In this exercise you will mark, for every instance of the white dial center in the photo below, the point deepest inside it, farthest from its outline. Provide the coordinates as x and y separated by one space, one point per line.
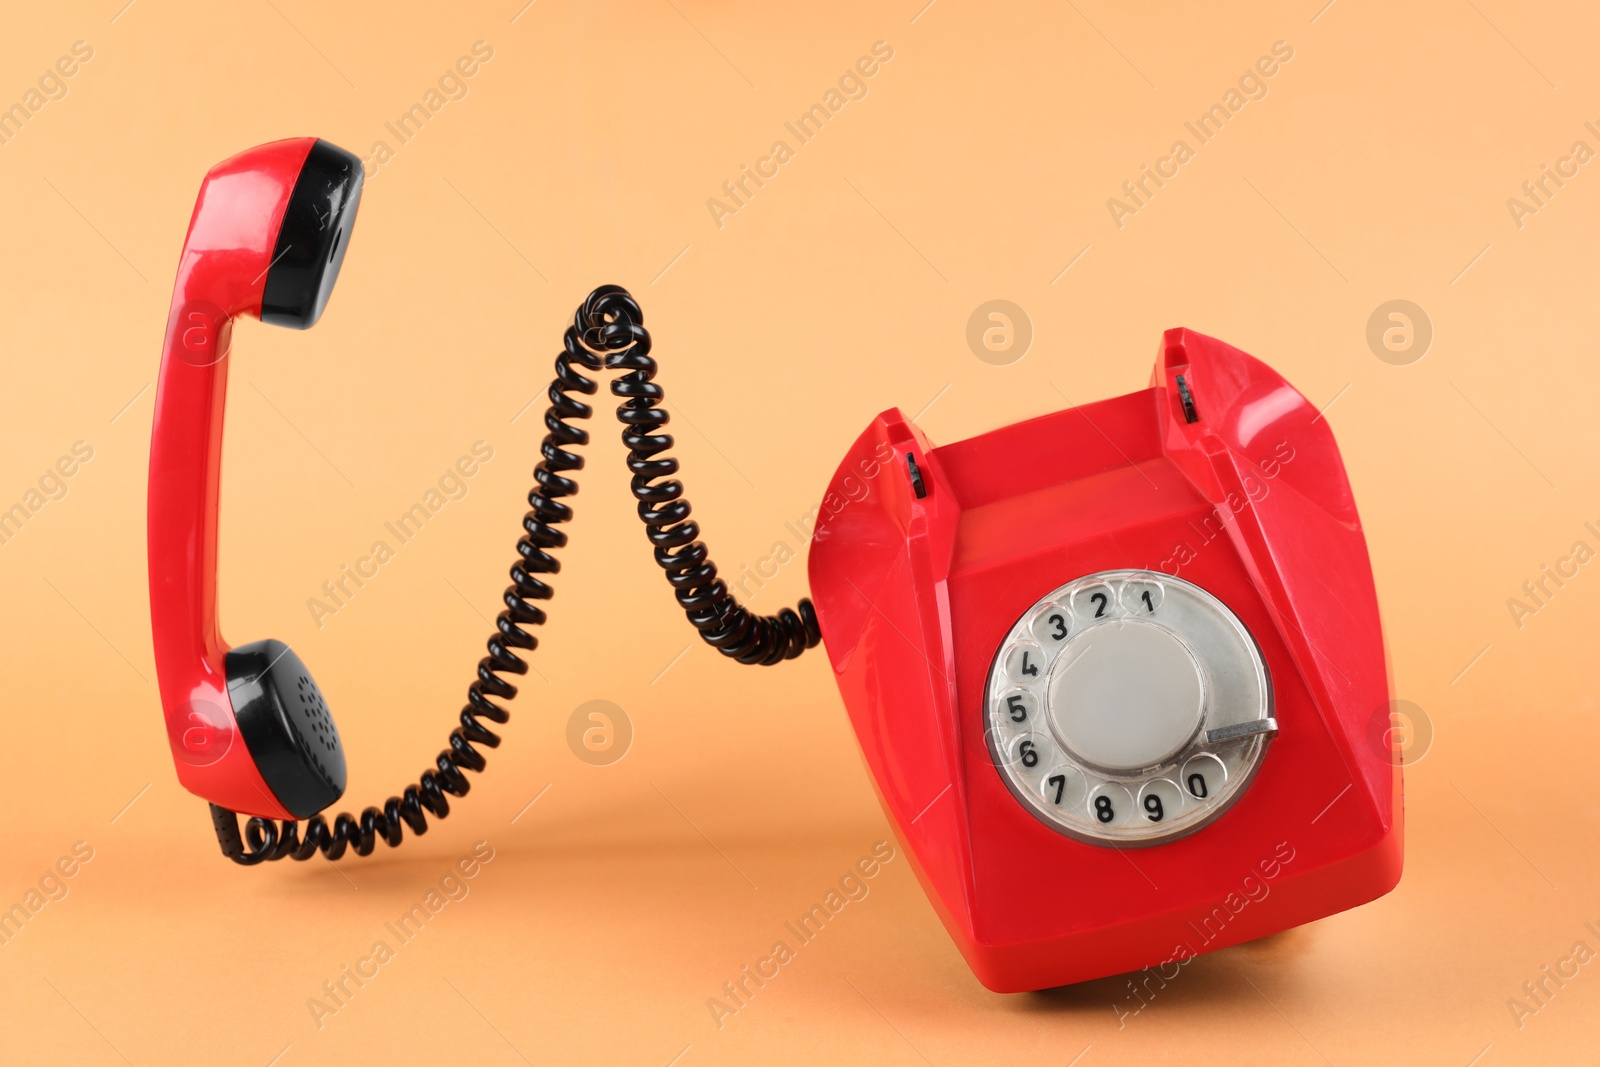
1126 695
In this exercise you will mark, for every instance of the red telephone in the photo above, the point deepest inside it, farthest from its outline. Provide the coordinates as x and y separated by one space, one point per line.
1112 670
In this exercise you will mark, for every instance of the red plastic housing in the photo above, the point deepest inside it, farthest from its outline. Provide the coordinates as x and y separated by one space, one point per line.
1251 502
221 274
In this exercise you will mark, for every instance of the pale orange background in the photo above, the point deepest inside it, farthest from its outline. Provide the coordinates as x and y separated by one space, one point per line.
978 167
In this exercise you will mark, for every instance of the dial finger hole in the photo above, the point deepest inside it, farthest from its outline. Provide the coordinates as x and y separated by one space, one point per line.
1096 603
1062 787
1016 709
1109 804
1203 777
1052 624
1159 801
1028 753
1025 664
1141 598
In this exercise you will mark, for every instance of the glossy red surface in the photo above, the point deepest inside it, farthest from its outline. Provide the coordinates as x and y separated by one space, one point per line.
221 274
1250 502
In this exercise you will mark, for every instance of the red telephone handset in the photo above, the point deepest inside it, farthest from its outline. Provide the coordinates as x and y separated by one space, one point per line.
1112 670
232 264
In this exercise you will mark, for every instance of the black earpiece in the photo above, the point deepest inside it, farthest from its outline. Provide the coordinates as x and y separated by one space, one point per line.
313 237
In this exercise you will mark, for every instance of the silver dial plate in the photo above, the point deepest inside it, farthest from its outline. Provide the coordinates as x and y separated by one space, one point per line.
1128 707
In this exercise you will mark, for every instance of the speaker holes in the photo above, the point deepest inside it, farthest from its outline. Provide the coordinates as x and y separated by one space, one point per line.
317 737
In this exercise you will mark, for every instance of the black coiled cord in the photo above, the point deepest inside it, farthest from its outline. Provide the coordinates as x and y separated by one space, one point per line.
607 333
610 326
